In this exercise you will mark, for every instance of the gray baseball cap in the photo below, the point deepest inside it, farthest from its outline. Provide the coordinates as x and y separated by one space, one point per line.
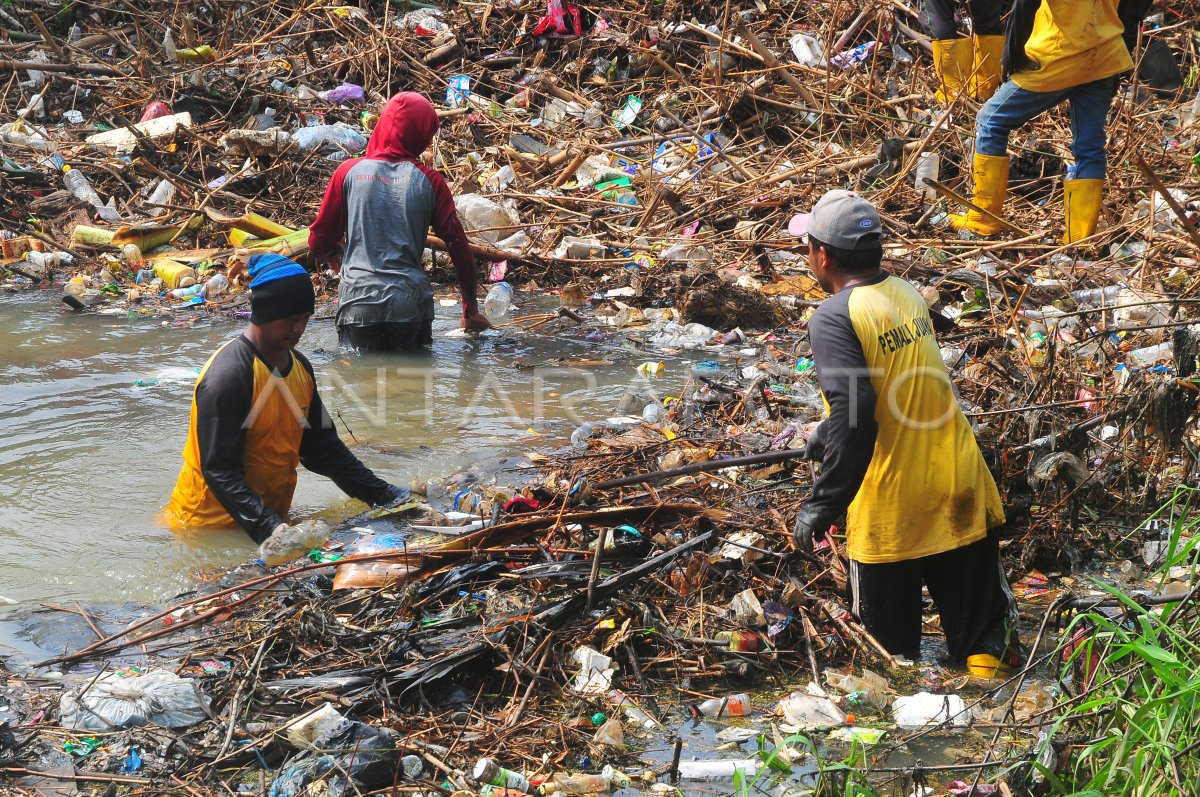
842 219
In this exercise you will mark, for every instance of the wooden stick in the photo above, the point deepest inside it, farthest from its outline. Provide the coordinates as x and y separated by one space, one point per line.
772 62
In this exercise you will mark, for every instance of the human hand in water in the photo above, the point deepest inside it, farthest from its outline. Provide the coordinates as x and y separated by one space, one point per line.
475 322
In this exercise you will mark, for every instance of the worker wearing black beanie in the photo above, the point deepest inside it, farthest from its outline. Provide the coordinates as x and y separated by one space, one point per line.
279 288
257 415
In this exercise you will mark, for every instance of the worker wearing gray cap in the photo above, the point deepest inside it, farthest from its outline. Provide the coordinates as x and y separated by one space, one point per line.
897 454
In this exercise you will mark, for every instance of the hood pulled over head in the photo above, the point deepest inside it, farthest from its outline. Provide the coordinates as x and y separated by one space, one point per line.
405 128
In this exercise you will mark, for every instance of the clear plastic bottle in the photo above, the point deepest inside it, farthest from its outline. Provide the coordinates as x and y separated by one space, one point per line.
217 284
732 706
499 301
80 187
632 712
928 165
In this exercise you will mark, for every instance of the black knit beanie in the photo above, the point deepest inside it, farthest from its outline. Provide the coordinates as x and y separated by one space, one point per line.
279 288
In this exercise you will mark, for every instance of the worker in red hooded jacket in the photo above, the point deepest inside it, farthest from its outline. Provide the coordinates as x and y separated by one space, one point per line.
383 205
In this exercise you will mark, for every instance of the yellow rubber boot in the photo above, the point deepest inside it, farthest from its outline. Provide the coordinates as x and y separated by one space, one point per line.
985 665
991 186
985 81
952 60
1081 208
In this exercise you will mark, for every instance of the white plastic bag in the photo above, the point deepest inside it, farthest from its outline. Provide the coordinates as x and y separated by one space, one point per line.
114 701
494 221
924 708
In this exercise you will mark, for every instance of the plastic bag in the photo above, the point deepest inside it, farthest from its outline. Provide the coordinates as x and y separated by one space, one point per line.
610 734
351 757
477 212
329 138
158 697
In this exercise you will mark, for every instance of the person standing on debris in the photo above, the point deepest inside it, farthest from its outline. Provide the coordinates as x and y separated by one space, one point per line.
898 456
383 205
970 64
256 415
1055 51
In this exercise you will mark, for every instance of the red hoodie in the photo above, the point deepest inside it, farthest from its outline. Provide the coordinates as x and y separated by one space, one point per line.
385 212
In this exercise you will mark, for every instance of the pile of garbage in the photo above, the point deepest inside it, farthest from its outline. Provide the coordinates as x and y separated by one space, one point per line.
624 612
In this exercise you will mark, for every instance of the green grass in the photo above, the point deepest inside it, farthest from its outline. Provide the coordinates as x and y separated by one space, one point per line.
1134 724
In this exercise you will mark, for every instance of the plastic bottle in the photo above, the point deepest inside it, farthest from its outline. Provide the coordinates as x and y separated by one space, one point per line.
338 137
163 193
732 706
80 187
217 284
49 259
711 770
175 275
190 292
489 772
652 412
1149 355
616 777
743 641
566 783
1098 296
632 712
499 301
928 165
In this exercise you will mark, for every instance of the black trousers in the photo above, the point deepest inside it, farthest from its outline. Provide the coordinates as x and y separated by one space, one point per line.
968 585
387 337
938 18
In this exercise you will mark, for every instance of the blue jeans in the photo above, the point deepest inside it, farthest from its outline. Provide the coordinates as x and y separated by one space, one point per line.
1012 106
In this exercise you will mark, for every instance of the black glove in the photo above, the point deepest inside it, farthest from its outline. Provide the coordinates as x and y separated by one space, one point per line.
810 527
395 495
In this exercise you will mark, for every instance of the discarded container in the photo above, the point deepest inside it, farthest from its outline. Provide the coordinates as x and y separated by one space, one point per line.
712 770
564 783
498 302
122 140
190 292
928 165
173 274
632 712
216 285
745 609
1150 355
314 725
923 708
731 706
489 772
872 686
740 641
610 734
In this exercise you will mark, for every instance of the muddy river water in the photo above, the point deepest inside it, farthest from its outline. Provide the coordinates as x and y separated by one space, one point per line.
94 413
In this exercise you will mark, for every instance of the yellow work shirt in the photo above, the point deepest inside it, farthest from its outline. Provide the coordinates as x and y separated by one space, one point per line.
1074 42
896 441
